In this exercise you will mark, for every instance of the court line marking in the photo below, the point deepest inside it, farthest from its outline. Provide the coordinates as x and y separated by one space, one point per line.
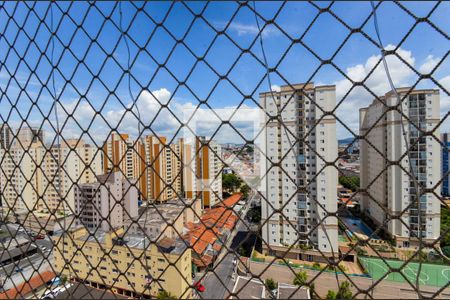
444 271
414 276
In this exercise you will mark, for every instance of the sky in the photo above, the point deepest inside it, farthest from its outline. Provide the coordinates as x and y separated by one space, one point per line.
168 85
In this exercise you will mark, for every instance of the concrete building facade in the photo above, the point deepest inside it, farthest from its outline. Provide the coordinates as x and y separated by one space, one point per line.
208 171
390 190
297 179
165 265
106 203
31 178
445 140
6 135
163 170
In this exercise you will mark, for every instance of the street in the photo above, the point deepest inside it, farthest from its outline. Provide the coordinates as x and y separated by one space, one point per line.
20 271
218 282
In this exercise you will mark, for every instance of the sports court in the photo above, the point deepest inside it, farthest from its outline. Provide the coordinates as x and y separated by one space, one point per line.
431 274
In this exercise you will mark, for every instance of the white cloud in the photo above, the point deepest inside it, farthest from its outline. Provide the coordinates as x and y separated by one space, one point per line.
429 64
377 82
250 29
275 88
162 120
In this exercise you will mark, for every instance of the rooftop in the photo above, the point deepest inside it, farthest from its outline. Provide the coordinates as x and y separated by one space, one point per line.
287 291
248 288
25 288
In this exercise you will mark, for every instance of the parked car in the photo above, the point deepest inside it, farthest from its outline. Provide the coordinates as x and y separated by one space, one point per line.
199 287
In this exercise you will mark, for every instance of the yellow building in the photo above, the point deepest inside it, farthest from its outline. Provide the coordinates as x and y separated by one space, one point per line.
115 261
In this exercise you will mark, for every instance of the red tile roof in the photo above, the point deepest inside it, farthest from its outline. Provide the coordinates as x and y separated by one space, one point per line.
211 226
232 200
25 288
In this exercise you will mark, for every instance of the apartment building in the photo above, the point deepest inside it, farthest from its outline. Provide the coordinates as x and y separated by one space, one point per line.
208 171
106 203
79 163
169 168
168 219
123 154
300 140
20 184
6 135
121 265
390 190
31 178
445 140
27 135
163 170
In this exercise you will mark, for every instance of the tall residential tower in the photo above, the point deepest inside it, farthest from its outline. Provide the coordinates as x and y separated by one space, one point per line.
390 190
298 180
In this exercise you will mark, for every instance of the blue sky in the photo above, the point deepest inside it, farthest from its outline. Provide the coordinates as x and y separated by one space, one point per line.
152 46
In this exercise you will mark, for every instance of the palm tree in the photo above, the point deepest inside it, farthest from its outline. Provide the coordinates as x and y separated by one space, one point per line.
300 278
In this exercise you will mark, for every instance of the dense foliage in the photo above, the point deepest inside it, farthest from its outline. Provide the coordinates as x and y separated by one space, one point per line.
271 284
349 182
231 182
300 278
445 226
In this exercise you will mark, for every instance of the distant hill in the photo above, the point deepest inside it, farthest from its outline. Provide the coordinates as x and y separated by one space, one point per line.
346 141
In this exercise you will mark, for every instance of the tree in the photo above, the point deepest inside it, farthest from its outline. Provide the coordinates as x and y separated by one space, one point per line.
312 290
230 182
165 295
300 278
254 214
244 251
349 182
245 190
331 295
344 291
271 284
445 226
63 279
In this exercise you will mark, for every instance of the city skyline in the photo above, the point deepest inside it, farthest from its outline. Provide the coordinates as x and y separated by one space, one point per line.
218 149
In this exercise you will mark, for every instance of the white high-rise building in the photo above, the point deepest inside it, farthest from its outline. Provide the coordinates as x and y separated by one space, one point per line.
390 190
106 203
298 180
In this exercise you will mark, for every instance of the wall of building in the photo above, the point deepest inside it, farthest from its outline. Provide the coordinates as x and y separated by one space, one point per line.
121 259
292 163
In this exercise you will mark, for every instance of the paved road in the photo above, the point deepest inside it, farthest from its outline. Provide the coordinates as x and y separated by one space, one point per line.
219 283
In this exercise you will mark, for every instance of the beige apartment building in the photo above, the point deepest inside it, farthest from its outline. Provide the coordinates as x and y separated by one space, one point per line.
208 171
123 154
31 178
20 185
390 190
298 180
121 265
163 171
106 203
79 163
